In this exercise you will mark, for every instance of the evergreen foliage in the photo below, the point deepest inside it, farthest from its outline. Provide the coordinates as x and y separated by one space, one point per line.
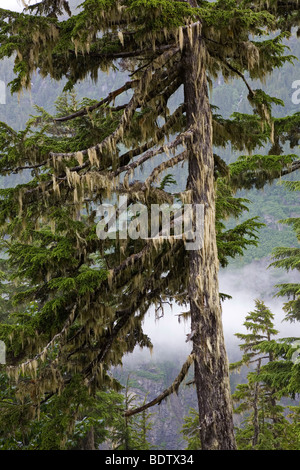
265 426
132 432
285 372
190 430
289 259
60 423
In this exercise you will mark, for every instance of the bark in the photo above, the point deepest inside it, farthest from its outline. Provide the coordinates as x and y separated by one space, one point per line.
211 363
88 442
273 401
255 409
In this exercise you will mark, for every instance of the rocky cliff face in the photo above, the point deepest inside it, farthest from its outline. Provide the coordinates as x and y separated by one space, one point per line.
150 380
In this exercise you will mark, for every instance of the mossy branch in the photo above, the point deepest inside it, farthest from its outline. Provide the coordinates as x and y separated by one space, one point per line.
173 388
112 96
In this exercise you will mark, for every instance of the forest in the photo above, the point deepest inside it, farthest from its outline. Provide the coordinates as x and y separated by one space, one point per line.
150 226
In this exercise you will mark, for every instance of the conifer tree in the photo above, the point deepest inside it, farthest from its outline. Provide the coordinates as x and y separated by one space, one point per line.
190 430
284 373
265 422
132 432
89 296
289 259
72 420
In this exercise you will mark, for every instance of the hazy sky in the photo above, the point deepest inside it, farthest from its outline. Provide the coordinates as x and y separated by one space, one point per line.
168 336
15 5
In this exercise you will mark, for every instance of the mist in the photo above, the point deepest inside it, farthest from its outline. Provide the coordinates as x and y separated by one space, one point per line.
244 285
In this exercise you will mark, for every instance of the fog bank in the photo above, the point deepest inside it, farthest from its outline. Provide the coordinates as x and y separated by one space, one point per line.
244 285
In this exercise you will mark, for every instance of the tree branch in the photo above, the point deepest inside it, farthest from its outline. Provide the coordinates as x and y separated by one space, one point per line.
111 140
294 167
112 95
163 166
147 155
159 134
233 69
127 54
173 388
40 356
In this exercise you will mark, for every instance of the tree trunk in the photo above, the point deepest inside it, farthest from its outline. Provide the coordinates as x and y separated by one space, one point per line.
211 364
255 408
88 442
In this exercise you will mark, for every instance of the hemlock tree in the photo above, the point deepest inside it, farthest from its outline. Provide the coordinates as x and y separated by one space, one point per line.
132 431
266 419
280 376
284 374
27 321
288 258
268 425
73 419
89 296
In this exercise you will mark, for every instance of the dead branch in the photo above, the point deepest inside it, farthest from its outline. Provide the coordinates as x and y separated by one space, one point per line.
112 95
163 166
173 388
